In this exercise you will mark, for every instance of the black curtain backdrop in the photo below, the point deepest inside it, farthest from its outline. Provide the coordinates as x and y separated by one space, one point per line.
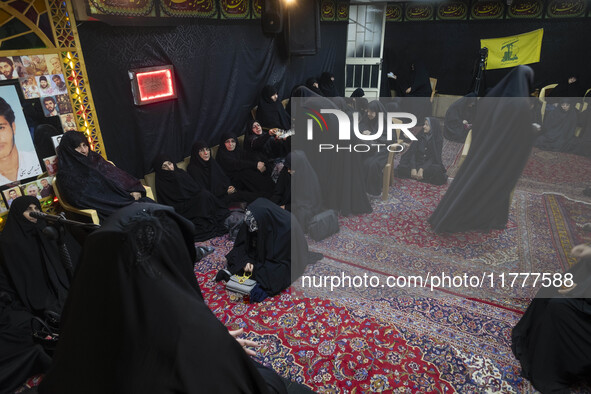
450 50
219 69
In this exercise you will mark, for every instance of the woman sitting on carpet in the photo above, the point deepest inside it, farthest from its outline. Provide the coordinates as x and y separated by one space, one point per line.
136 320
86 180
208 174
422 160
33 282
264 248
269 148
245 170
176 188
551 340
558 129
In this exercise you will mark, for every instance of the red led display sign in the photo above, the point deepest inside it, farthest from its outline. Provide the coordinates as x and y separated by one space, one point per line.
152 84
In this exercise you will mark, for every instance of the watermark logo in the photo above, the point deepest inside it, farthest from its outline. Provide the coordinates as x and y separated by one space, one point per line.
388 122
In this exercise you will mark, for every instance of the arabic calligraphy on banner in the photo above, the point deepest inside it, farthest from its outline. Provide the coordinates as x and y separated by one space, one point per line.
122 7
394 12
453 10
526 9
235 9
487 10
328 10
565 9
189 8
418 12
342 11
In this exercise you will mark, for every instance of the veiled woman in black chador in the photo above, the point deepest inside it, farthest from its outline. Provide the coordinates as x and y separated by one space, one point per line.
459 118
480 195
270 111
208 174
264 144
176 188
33 282
271 245
422 160
245 169
136 321
86 180
559 127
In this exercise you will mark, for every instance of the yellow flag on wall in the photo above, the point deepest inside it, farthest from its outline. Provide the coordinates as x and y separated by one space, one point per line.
513 50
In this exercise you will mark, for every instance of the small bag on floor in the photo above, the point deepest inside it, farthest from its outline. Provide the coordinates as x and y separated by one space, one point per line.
241 284
323 225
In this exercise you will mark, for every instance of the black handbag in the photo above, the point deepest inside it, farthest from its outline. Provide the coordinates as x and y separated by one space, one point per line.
323 225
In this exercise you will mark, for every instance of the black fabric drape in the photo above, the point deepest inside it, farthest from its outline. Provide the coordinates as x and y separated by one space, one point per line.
463 109
278 249
91 181
220 69
178 189
551 340
135 320
479 196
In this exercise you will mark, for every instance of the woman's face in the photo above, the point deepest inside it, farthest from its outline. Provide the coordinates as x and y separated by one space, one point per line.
274 97
565 106
427 126
167 166
83 148
204 154
257 129
230 144
31 208
371 114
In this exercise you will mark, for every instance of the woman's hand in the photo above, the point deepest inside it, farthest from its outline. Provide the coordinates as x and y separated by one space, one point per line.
244 342
248 267
136 196
261 166
581 251
408 91
231 189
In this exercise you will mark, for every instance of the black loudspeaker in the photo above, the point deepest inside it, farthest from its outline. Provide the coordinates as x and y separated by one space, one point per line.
303 27
272 17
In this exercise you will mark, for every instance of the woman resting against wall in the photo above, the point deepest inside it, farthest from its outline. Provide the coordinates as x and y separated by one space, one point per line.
245 170
136 321
270 111
86 180
551 340
264 248
422 160
176 188
208 174
33 282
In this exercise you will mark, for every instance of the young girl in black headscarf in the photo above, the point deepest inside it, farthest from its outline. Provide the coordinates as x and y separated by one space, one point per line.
270 111
176 188
86 180
271 245
136 320
33 282
244 169
208 174
422 160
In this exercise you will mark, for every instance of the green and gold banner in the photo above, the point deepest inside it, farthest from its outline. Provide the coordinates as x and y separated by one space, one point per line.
235 9
189 8
530 9
453 10
418 12
493 9
565 9
257 9
394 12
342 11
122 8
328 10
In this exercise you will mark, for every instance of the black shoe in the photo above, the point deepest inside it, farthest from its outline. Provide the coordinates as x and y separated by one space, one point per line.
202 251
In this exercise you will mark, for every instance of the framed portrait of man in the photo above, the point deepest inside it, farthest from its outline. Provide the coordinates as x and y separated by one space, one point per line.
32 189
11 194
51 165
18 159
50 107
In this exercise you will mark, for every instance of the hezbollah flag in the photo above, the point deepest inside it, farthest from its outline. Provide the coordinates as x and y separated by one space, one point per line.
514 50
